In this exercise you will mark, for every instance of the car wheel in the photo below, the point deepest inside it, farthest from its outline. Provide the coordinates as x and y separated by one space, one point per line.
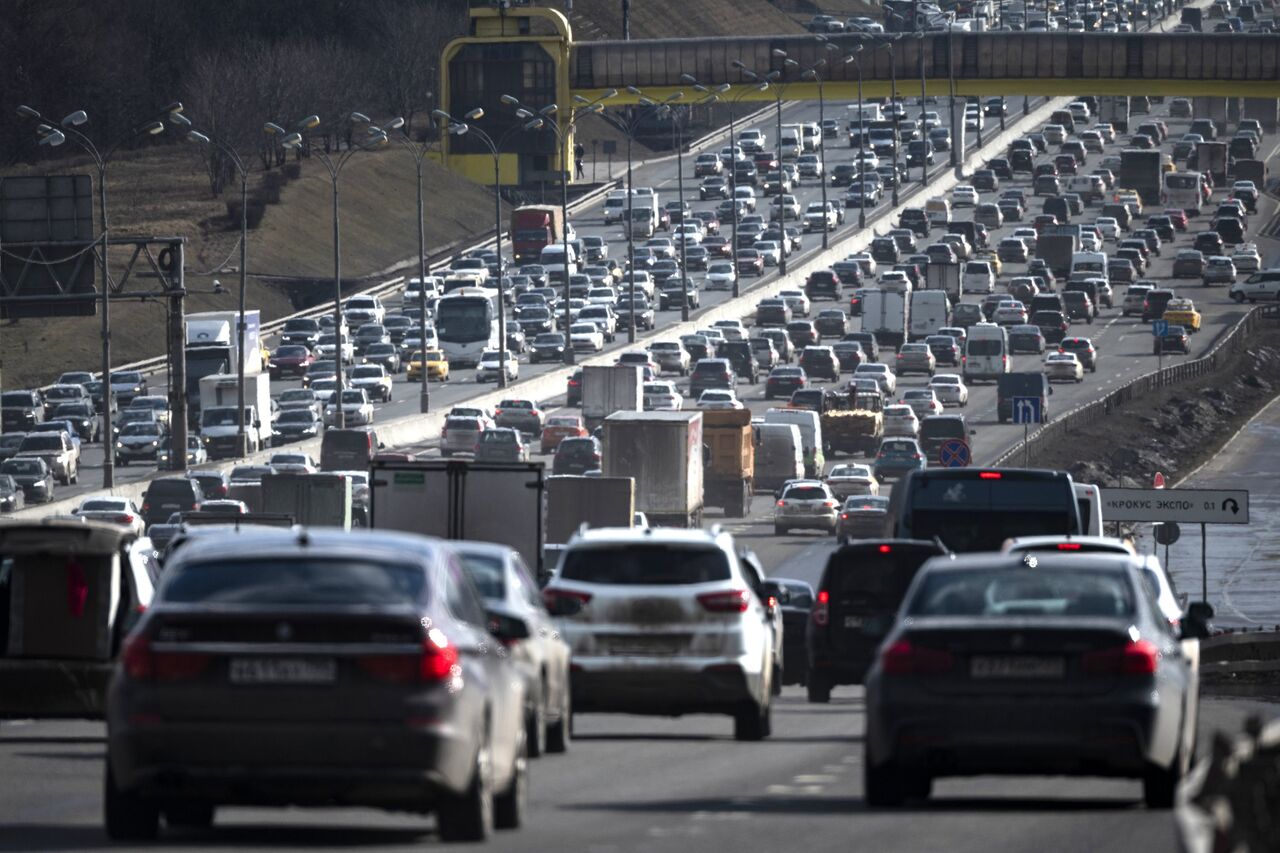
128 816
753 721
190 815
818 690
882 785
535 723
509 805
779 531
558 734
1160 784
469 816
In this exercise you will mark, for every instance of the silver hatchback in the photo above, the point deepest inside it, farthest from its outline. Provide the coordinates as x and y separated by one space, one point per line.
805 504
460 435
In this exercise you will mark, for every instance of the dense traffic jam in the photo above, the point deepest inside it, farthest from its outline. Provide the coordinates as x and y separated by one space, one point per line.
992 626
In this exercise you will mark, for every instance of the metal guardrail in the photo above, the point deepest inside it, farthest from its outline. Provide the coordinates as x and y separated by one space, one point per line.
1228 802
1229 344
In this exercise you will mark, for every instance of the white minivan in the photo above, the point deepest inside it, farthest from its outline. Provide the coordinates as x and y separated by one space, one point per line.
810 435
986 352
978 277
779 455
791 142
930 311
552 259
1091 263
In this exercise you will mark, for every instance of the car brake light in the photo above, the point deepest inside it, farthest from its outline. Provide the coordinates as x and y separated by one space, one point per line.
142 663
884 549
551 596
905 658
820 608
1068 546
990 475
1139 657
732 601
844 515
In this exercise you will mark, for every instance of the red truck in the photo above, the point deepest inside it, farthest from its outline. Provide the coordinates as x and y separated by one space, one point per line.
533 227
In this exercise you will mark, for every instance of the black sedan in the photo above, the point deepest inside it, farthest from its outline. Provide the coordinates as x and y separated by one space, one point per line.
1173 340
547 347
783 381
1031 664
794 599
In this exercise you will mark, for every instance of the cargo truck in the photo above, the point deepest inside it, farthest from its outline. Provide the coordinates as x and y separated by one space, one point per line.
1250 170
1114 110
316 500
219 426
533 227
593 501
853 423
610 388
211 349
885 314
1210 157
1140 170
662 452
944 277
728 478
479 501
1056 250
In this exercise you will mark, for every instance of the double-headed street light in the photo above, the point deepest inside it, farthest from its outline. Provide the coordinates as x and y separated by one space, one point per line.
628 127
54 133
734 100
924 102
814 73
544 118
458 127
206 137
708 96
375 137
775 78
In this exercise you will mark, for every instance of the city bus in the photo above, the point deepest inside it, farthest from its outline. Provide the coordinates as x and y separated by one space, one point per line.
467 325
977 509
1182 190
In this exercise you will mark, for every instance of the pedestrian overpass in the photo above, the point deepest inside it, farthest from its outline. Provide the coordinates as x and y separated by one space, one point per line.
528 52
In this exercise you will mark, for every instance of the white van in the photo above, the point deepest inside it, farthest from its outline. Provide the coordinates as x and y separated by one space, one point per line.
791 142
978 277
938 211
1090 188
779 455
1091 263
552 259
638 222
811 136
810 435
986 352
615 206
930 311
1089 500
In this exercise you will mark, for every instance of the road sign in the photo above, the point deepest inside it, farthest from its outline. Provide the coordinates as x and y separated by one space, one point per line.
954 453
1166 533
1157 482
1188 506
1026 410
1159 328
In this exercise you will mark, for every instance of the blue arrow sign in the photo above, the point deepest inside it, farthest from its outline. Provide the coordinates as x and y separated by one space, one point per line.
1026 410
954 453
1159 328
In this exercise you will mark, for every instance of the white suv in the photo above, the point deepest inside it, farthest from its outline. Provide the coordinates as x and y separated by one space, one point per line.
666 622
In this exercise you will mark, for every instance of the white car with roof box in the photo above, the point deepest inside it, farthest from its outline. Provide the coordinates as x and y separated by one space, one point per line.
666 622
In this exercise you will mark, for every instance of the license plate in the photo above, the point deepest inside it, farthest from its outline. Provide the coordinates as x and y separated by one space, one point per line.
853 621
282 671
1016 666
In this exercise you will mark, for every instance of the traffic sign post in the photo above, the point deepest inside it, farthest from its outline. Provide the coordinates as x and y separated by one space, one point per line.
1159 328
1026 411
954 453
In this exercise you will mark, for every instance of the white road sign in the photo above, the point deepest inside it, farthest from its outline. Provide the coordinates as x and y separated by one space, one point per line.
1190 506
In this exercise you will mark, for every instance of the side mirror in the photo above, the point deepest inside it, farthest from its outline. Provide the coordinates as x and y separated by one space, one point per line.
1195 622
1050 389
506 627
382 445
564 605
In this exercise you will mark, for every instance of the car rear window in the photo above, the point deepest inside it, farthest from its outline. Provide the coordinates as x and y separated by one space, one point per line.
1022 591
874 573
161 490
805 493
637 565
486 573
296 582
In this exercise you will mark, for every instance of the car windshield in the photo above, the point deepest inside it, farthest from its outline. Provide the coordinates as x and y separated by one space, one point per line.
146 428
22 466
102 506
645 565
303 581
296 416
1005 592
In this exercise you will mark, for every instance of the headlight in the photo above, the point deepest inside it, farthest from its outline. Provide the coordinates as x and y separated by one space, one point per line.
119 444
38 483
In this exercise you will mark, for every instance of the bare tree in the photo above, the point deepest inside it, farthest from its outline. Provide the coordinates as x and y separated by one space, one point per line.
411 37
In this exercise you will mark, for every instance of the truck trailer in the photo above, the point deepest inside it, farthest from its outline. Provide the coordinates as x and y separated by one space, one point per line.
662 452
728 478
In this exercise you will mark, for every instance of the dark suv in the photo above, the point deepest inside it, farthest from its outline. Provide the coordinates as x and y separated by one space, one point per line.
1155 303
741 358
20 410
576 456
861 589
915 219
168 495
711 373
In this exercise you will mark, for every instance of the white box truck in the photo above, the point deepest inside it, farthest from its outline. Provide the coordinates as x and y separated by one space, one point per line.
219 426
930 311
885 314
662 452
211 348
610 388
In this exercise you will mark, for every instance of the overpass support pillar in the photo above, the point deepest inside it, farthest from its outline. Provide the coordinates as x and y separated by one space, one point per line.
1265 110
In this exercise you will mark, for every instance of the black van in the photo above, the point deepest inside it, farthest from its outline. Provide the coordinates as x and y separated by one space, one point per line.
167 495
1010 385
937 429
860 592
975 232
1121 213
1058 207
348 449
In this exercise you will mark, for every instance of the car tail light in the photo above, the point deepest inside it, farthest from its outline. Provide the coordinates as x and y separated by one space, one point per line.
1068 546
732 601
884 549
551 595
821 612
142 663
906 658
1138 657
844 516
990 475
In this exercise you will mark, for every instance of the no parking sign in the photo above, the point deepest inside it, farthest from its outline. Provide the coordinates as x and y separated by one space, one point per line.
954 453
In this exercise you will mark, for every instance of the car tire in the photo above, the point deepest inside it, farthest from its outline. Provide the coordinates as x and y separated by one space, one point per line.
1160 784
128 817
535 723
190 815
558 733
510 804
882 785
469 816
779 531
753 721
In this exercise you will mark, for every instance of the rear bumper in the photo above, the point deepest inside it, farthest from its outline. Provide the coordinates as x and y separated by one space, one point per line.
374 764
662 686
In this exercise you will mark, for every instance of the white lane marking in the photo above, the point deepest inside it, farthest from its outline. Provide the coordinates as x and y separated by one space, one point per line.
814 779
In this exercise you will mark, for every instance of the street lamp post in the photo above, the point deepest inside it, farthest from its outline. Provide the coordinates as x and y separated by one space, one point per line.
678 131
212 140
893 103
419 151
774 77
542 120
814 73
924 103
733 239
334 165
53 134
862 141
466 125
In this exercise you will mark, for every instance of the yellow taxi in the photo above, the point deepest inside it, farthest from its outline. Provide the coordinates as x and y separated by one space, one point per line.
1123 195
1182 312
437 366
991 257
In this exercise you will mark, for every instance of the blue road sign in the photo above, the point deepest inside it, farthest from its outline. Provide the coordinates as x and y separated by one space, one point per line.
954 453
1159 328
1026 410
